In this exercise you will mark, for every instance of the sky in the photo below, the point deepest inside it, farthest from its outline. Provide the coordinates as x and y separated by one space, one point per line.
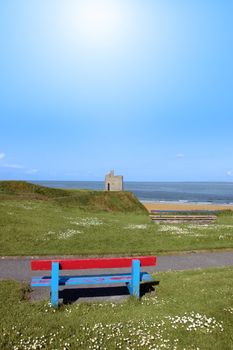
144 87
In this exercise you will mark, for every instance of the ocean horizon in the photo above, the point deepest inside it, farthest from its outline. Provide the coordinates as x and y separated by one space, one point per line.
164 192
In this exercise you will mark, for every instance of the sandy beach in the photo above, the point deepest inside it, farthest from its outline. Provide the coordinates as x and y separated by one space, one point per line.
185 206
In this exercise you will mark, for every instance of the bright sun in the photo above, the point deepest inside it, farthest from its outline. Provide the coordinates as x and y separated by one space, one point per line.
97 20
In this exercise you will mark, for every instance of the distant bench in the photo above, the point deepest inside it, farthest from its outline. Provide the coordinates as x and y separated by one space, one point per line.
184 216
132 279
190 211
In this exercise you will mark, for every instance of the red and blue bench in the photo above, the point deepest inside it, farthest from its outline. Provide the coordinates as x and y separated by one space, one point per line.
132 279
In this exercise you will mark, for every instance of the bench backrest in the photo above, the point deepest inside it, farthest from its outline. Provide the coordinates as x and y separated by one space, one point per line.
105 263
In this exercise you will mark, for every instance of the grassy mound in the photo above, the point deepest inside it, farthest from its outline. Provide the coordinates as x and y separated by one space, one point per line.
104 201
29 190
83 199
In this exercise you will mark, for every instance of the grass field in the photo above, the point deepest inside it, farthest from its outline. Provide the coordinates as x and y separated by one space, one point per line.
187 311
29 227
36 220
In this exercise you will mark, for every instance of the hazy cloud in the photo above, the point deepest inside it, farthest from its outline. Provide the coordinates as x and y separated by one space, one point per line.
2 155
31 171
229 173
13 166
16 167
179 155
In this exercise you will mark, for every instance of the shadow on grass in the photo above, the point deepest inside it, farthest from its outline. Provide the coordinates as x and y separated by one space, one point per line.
72 295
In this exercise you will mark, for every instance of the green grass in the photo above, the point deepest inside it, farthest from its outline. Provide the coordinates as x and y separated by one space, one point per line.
188 310
85 200
31 227
36 220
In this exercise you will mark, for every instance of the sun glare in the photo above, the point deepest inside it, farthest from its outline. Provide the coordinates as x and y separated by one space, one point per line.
98 20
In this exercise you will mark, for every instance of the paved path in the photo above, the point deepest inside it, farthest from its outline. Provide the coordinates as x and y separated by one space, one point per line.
19 270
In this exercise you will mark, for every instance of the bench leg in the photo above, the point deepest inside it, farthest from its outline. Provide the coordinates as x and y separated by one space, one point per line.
55 284
134 285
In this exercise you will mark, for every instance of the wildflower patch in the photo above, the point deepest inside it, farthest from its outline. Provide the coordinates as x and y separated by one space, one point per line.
136 227
229 309
67 234
199 230
87 222
152 334
195 321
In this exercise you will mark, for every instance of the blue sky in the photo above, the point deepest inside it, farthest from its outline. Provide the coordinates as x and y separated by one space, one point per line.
143 87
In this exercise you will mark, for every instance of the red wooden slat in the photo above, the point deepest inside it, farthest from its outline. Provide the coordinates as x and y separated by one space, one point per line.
78 264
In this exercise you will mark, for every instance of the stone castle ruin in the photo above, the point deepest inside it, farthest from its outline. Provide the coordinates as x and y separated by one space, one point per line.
113 182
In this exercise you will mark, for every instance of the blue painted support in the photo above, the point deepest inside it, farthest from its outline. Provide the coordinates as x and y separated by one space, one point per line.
55 284
135 282
45 281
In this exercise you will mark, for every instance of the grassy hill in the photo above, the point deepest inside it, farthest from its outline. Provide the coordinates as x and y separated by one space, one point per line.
36 220
83 199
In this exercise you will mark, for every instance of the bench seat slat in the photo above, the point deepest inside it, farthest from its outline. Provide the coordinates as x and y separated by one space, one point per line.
45 281
79 264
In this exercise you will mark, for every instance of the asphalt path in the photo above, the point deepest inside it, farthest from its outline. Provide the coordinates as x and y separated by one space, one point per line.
18 268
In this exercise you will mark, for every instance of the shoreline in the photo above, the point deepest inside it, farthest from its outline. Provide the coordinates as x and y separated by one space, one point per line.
189 206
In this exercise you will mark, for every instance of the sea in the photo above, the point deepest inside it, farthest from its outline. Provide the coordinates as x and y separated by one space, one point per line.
164 192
